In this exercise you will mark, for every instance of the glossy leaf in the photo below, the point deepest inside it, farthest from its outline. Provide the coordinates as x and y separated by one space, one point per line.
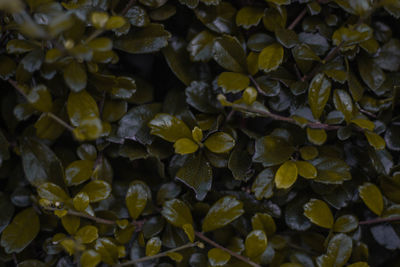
319 213
136 199
286 175
372 197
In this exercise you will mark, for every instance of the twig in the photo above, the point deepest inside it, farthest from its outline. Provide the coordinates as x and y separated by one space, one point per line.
298 19
84 215
94 35
128 6
234 254
16 86
163 254
380 220
60 121
365 111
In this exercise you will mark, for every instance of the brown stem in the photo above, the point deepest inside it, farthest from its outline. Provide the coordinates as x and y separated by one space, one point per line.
60 121
128 6
84 215
16 86
163 254
234 254
380 220
298 19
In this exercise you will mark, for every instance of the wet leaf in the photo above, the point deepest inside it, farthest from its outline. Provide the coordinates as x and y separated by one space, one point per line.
286 175
220 142
270 57
232 82
228 53
345 224
78 172
249 16
218 257
318 94
177 213
169 127
153 246
271 150
87 234
97 190
136 198
256 243
318 212
372 197
75 76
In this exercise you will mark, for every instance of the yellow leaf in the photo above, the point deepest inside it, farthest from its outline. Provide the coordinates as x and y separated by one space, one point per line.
372 197
185 146
188 228
375 140
316 136
318 212
306 169
286 175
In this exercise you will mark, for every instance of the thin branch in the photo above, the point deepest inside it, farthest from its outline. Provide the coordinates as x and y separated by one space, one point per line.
163 254
60 121
298 19
16 86
84 215
95 34
128 6
234 254
380 220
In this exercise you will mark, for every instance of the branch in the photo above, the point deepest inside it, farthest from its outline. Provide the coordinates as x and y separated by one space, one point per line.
60 121
163 254
380 220
128 6
298 19
234 254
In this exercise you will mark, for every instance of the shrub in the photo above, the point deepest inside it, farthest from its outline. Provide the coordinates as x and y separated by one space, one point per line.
200 133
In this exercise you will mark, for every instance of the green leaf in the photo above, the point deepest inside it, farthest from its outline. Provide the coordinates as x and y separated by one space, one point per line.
40 98
343 103
338 252
218 257
372 197
75 76
185 146
345 224
271 151
52 192
271 57
136 198
80 107
318 94
177 213
371 74
87 234
78 171
306 169
264 222
107 250
256 243
169 128
331 170
263 185
200 47
229 54
220 142
179 62
304 52
352 35
286 175
318 212
249 16
222 212
153 246
40 163
364 124
148 39
21 231
90 258
197 174
97 190
316 136
287 38
233 82
71 223
219 18
375 140
308 152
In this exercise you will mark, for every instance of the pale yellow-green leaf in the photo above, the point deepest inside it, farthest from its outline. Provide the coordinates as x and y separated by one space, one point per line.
372 197
318 212
286 175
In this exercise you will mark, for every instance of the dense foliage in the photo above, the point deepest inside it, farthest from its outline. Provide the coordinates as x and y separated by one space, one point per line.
199 133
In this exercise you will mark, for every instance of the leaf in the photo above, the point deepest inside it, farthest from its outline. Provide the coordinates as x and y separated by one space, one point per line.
175 256
153 246
107 250
319 213
375 140
197 174
372 197
308 152
249 16
78 172
306 169
352 35
169 127
271 150
270 57
81 201
286 175
392 138
52 192
343 103
256 243
7 211
177 213
222 212
229 54
331 170
81 106
179 62
200 96
71 223
316 136
200 47
75 76
386 236
364 124
263 185
219 18
97 190
294 214
189 231
185 146
148 39
40 98
220 142
371 74
339 249
345 224
240 163
287 38
21 231
218 257
40 163
233 82
90 258
136 198
318 94
87 234
264 222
